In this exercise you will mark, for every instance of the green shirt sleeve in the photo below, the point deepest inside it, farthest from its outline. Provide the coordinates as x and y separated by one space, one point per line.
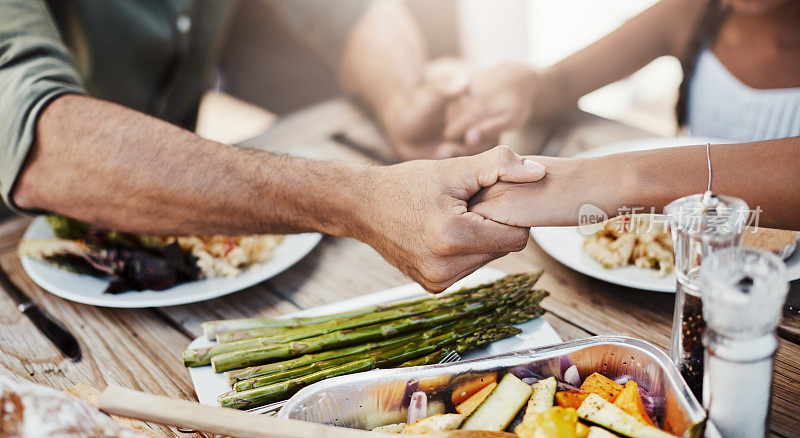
35 68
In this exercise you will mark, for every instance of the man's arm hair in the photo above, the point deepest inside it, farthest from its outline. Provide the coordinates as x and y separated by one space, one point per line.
106 164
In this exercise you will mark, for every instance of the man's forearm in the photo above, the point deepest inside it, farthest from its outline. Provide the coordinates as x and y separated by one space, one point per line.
112 166
384 56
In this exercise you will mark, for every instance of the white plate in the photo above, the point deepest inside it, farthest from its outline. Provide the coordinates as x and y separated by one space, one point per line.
208 384
89 290
565 244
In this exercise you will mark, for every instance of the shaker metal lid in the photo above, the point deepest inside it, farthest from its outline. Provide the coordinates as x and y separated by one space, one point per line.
708 213
744 291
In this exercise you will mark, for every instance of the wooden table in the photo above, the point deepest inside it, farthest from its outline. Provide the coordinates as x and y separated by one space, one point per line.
141 348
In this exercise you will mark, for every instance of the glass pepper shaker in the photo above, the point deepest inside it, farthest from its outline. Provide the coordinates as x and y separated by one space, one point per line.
744 292
699 225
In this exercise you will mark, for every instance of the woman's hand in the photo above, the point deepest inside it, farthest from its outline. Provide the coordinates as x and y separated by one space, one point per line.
556 199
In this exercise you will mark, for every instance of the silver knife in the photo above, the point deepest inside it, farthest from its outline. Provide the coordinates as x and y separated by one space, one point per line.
52 328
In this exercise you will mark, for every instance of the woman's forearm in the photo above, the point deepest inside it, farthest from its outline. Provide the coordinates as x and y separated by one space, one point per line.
663 29
765 174
112 166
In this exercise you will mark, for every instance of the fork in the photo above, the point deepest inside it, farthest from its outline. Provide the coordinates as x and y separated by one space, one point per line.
451 357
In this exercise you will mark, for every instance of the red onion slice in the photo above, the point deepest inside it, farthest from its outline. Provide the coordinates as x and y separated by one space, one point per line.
418 408
571 376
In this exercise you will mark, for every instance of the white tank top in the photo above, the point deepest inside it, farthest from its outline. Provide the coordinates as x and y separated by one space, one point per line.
720 105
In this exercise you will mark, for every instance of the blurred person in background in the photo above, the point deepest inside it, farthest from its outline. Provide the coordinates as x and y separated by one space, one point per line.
98 100
741 60
741 63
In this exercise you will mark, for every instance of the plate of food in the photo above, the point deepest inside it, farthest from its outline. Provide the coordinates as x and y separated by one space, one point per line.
636 250
88 265
483 314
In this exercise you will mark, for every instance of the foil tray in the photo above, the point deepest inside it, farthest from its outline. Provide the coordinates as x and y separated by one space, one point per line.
375 398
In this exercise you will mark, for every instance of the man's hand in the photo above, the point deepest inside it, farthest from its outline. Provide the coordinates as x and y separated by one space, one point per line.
417 215
414 121
499 99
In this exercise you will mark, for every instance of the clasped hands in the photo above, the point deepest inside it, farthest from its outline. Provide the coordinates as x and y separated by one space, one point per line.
452 115
440 220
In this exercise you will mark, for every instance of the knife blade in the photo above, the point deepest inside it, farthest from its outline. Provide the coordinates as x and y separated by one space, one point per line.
50 327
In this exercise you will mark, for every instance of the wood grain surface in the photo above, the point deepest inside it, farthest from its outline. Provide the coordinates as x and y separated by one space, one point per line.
140 348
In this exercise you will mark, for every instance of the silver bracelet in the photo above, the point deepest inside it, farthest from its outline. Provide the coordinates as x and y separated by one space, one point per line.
708 158
709 199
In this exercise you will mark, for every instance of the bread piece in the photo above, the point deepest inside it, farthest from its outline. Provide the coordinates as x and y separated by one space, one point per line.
781 242
30 410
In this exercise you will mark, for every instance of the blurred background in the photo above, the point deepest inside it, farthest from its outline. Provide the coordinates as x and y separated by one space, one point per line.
286 75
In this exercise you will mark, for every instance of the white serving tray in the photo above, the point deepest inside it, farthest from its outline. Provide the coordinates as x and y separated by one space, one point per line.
208 385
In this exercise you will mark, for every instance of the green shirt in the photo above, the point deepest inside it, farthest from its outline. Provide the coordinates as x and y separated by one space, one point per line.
154 56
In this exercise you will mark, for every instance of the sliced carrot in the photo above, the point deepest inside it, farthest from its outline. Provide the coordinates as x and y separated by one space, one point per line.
571 399
466 389
601 385
433 383
467 406
630 401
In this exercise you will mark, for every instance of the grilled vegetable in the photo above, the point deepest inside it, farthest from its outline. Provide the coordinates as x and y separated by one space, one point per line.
556 422
597 410
501 406
66 228
630 401
572 376
129 269
542 395
599 432
263 349
308 359
469 405
212 328
466 389
391 428
571 399
282 390
418 407
601 385
435 423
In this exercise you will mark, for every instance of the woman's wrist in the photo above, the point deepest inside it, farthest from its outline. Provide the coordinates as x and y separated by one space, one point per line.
615 185
642 182
552 95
